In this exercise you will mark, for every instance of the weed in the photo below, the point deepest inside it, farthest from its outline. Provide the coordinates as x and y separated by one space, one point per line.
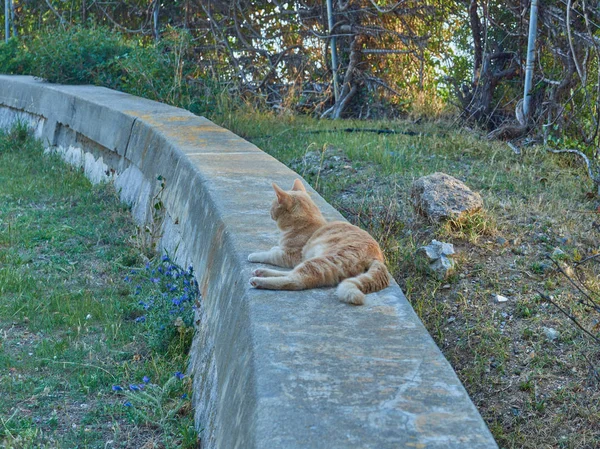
469 227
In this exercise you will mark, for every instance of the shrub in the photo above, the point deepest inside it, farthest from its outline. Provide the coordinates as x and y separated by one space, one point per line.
14 57
76 55
163 71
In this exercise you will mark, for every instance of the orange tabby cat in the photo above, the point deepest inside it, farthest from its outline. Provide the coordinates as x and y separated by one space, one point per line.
322 254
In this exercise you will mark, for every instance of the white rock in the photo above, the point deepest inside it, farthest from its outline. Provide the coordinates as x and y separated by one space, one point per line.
500 298
550 333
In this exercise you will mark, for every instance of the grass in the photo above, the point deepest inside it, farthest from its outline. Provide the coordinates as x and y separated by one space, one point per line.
533 392
78 367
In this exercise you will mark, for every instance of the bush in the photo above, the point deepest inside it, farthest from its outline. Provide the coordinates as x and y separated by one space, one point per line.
76 55
165 71
14 58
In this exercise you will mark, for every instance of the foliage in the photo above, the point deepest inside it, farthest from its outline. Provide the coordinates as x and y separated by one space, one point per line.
76 55
164 71
13 57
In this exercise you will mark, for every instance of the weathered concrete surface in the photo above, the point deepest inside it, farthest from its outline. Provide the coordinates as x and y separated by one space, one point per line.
271 369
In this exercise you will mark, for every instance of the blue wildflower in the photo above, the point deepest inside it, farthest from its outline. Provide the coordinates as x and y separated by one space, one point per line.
165 258
155 280
117 388
184 396
127 404
127 279
147 265
140 319
179 375
146 379
134 387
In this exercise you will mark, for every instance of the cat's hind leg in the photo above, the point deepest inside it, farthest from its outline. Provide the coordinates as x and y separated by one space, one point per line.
316 272
286 282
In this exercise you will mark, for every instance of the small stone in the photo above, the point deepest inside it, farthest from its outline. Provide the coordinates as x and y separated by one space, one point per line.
445 286
452 319
550 333
500 298
436 249
435 257
442 268
501 241
559 254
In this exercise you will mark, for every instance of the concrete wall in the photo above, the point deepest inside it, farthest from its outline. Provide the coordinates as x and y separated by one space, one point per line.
271 369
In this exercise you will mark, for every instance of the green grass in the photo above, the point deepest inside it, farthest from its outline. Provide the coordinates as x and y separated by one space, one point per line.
69 276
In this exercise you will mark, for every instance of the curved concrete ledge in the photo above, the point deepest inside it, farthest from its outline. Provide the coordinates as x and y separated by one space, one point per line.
272 370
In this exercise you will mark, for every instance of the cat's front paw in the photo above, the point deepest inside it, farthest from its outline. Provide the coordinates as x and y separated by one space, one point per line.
254 257
255 282
259 273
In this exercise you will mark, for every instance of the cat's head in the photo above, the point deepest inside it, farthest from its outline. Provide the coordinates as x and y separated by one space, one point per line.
293 206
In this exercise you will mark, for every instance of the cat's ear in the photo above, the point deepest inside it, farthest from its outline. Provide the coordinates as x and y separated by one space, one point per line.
298 186
282 196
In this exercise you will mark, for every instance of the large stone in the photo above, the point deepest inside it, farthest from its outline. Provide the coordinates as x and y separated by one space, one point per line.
440 197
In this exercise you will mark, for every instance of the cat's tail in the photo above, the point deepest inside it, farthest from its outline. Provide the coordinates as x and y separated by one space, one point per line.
353 290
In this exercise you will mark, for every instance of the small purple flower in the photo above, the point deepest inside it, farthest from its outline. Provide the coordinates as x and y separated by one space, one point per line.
155 280
161 270
117 388
145 379
147 265
140 319
134 387
176 301
127 404
165 258
179 375
133 272
184 396
127 279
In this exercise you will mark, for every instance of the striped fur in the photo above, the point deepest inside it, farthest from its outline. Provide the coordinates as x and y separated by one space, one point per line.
321 254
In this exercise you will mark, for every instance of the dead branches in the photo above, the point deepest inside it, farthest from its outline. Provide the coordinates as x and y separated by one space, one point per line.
587 298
